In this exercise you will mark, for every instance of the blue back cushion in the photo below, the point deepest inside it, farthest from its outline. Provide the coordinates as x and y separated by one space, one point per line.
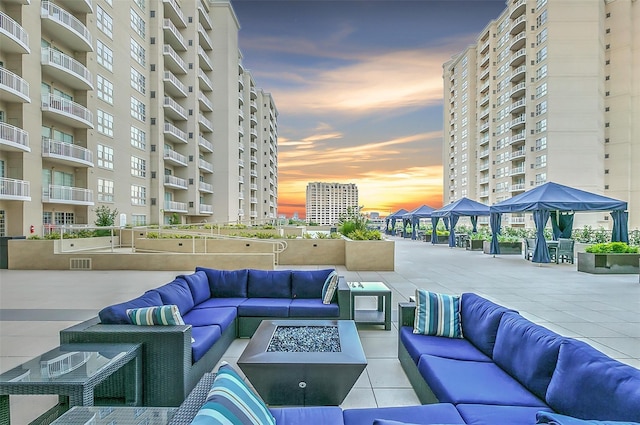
527 352
480 320
226 283
308 283
178 293
590 385
199 286
117 314
269 284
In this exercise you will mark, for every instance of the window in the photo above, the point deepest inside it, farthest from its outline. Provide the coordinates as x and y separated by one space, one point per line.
541 143
541 178
138 81
541 161
138 167
541 90
105 157
541 55
138 220
541 107
138 138
138 53
138 109
104 22
105 190
541 37
541 72
105 89
540 3
138 195
105 123
140 3
541 19
104 55
137 23
541 126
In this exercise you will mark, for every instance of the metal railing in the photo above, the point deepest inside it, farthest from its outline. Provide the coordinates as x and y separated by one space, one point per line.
11 27
13 135
60 60
14 82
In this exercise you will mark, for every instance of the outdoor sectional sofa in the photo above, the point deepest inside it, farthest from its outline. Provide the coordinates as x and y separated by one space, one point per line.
217 306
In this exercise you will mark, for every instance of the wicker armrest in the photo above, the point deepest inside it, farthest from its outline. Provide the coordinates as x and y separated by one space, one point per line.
194 401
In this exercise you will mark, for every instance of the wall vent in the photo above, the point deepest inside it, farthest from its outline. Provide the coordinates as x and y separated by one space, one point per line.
80 264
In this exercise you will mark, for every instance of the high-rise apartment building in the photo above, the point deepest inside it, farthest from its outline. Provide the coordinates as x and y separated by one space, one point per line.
327 202
549 92
143 106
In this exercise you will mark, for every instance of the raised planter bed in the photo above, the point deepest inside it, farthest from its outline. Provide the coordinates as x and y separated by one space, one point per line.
475 244
608 263
506 248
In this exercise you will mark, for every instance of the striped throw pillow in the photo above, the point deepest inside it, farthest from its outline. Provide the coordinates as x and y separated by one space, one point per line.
437 314
329 287
160 315
231 401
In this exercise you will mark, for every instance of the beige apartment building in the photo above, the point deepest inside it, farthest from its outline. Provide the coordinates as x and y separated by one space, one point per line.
143 106
550 91
326 203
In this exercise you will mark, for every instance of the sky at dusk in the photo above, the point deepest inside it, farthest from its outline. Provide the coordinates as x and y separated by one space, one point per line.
358 87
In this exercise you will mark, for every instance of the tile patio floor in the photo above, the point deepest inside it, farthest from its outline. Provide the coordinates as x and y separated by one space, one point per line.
601 310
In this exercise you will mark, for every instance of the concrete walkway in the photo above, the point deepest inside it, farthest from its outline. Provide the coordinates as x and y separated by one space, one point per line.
602 310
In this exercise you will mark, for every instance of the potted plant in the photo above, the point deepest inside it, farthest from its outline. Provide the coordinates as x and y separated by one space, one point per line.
609 258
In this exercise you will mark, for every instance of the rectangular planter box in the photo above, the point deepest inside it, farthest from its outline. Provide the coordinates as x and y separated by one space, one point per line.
506 248
608 263
369 255
475 245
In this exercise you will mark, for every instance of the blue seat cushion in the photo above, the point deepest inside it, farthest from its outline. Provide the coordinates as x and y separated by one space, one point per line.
527 351
486 414
587 384
452 348
306 307
480 320
308 283
458 381
203 338
557 419
178 293
199 285
222 316
330 415
264 307
269 284
441 413
219 302
227 283
117 314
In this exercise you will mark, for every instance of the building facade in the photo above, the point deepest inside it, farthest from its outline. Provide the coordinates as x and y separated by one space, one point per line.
548 92
327 202
127 116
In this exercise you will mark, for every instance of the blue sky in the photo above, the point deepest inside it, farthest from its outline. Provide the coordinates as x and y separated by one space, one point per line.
358 87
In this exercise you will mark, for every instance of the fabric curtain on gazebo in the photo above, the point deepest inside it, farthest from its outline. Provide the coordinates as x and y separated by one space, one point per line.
434 233
393 217
495 221
453 220
620 231
474 223
541 251
561 225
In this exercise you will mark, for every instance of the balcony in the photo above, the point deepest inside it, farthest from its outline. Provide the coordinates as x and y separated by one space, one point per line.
518 137
484 87
518 24
483 166
174 110
13 138
254 133
206 85
178 207
518 90
173 133
205 209
241 163
518 106
253 146
204 143
517 170
205 166
173 61
241 179
67 28
518 57
13 38
241 147
254 106
484 153
518 73
240 85
13 87
485 47
484 74
241 130
517 8
520 153
172 36
66 153
240 195
517 220
518 187
518 41
484 140
204 38
253 214
66 111
205 62
205 124
173 86
484 100
483 180
14 190
174 157
253 200
254 159
483 113
205 103
55 194
484 127
205 187
77 6
203 12
518 121
62 67
253 173
175 182
173 11
254 187
240 212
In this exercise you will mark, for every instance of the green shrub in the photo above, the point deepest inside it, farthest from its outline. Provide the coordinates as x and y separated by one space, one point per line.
612 247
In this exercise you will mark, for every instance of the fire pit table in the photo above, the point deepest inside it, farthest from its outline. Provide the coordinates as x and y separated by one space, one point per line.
304 362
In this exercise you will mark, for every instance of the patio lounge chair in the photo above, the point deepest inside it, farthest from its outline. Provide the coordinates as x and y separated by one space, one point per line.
565 250
529 248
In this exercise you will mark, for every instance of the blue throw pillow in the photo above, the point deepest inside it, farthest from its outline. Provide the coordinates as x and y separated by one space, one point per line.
557 419
164 315
329 287
437 314
231 401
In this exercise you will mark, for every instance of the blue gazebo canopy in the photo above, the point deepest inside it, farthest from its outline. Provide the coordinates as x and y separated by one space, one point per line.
462 207
414 217
554 197
393 217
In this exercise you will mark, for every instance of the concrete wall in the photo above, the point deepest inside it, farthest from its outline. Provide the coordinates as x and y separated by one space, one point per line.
203 246
313 252
370 255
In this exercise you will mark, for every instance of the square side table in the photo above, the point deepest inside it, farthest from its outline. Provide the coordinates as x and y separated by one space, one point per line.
380 316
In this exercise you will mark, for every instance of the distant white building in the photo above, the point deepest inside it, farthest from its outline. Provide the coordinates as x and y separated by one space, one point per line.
326 202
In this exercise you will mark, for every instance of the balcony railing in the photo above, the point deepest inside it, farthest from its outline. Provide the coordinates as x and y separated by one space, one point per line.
518 154
517 170
205 102
204 14
205 165
205 187
68 108
176 11
205 59
175 36
240 195
204 37
66 151
206 80
174 156
205 143
14 137
15 32
172 206
67 195
520 119
69 65
178 110
241 163
517 220
168 51
175 182
14 84
55 13
205 209
174 131
206 123
518 137
175 82
14 190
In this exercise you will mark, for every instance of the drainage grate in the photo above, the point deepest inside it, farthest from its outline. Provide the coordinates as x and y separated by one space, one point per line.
80 264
